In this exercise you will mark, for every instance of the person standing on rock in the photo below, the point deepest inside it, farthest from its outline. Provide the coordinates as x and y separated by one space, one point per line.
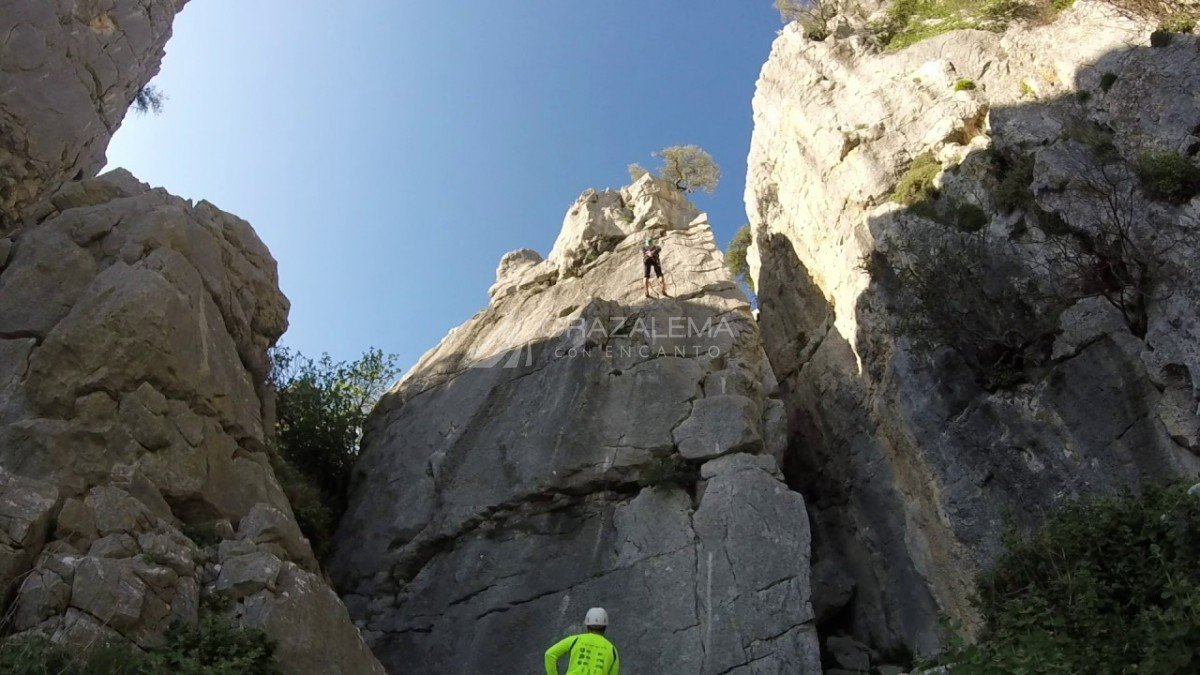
590 653
650 261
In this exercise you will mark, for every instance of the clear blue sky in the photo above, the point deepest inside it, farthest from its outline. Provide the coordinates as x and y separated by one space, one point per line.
390 151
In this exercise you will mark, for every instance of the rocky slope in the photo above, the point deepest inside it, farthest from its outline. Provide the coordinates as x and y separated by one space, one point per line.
577 444
912 458
135 484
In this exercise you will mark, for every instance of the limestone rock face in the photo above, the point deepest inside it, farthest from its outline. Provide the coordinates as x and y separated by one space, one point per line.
576 444
133 465
68 72
909 459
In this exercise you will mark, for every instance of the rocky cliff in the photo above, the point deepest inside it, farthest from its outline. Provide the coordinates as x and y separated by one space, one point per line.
135 483
976 297
578 444
69 71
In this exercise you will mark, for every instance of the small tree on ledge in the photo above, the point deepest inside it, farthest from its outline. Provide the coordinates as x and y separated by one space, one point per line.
688 167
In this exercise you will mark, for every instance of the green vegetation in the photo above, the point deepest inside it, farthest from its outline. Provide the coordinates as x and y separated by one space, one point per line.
1107 80
320 411
1161 38
969 217
910 21
1108 585
1168 176
1014 193
964 84
689 167
813 15
148 99
670 471
917 184
1097 137
212 646
202 534
735 256
1027 90
1181 22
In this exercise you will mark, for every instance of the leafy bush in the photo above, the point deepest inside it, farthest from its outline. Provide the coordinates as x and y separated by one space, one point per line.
1178 23
964 84
1168 176
735 256
970 218
959 291
1107 80
1161 38
149 99
813 15
313 510
1016 176
202 534
917 183
1108 585
212 646
320 410
672 470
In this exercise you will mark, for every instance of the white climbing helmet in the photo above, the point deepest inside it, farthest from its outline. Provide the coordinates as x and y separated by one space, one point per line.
596 618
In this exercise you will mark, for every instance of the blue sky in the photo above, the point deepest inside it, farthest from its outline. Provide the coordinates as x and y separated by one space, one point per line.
390 151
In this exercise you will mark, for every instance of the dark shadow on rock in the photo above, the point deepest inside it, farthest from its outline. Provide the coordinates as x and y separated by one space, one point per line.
913 460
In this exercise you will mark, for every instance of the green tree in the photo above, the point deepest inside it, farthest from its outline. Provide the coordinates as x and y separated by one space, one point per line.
689 167
1108 585
149 99
813 15
735 256
320 410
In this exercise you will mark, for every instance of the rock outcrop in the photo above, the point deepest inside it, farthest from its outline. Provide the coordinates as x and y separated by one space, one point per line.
68 72
577 444
133 428
912 460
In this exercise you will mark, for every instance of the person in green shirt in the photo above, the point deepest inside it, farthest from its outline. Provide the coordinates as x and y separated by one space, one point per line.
590 653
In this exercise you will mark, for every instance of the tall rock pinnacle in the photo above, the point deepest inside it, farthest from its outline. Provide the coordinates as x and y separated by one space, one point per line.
577 444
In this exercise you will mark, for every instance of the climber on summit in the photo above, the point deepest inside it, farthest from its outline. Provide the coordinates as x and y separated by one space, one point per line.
650 260
590 653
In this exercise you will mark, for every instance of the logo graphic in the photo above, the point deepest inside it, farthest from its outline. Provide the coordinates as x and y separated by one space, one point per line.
512 358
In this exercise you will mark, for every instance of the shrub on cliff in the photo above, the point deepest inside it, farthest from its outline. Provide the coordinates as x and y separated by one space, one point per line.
1108 585
1168 176
212 646
149 99
320 410
735 256
813 15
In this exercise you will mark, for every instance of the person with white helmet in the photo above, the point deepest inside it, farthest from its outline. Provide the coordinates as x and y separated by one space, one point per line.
590 653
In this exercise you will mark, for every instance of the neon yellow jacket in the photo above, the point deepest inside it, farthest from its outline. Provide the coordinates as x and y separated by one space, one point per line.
591 654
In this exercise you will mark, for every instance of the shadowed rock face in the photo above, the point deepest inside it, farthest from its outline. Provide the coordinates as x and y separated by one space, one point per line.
68 72
910 462
133 463
576 444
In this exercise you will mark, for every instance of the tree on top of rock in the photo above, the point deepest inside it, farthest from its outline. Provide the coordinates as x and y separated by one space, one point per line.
689 167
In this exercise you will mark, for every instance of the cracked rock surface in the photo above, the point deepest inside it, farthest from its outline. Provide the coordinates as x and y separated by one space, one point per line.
910 466
135 484
576 444
68 72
